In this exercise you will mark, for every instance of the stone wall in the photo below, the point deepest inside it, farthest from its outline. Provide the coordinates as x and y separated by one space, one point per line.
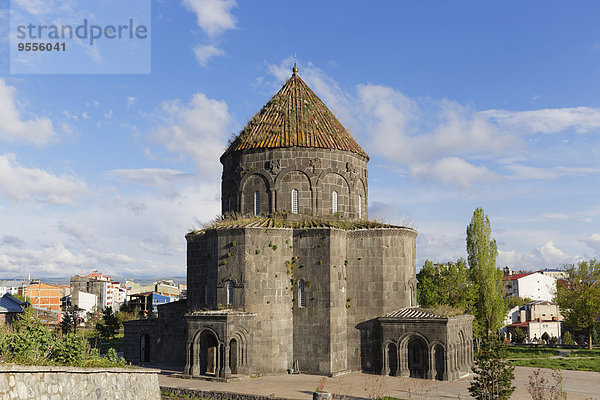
165 337
315 173
380 268
71 383
350 277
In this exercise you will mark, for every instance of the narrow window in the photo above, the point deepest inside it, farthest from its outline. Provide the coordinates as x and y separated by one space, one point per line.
359 207
229 287
334 207
301 294
205 295
294 201
256 203
411 296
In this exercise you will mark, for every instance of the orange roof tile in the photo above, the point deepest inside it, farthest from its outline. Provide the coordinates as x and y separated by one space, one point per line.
295 117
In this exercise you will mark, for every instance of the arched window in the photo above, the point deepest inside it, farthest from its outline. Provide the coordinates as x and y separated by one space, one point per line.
256 203
229 287
359 207
294 201
301 294
334 205
410 294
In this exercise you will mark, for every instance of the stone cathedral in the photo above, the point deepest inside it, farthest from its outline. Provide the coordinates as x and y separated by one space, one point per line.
294 277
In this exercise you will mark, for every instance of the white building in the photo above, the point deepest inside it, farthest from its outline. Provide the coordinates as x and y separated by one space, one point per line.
533 285
535 318
87 302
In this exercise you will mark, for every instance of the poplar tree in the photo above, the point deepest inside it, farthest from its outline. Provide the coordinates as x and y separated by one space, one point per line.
489 306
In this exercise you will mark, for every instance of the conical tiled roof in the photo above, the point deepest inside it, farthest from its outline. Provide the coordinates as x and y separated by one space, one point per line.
295 117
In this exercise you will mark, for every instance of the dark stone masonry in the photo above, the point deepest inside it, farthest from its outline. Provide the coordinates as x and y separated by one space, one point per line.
295 277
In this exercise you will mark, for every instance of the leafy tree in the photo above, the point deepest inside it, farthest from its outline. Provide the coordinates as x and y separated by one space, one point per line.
446 284
513 301
579 300
493 374
489 307
109 326
31 343
567 338
518 336
427 291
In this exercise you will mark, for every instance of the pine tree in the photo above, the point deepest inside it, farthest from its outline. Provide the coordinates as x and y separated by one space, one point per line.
109 326
493 374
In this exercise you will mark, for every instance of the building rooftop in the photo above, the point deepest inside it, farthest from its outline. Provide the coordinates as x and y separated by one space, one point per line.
514 277
295 221
295 117
9 304
414 313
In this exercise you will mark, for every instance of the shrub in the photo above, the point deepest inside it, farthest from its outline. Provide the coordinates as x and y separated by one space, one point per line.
567 339
518 336
29 343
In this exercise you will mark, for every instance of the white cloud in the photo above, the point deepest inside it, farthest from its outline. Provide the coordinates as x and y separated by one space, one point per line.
593 241
131 101
527 172
454 170
555 216
550 254
195 130
549 120
148 176
54 260
204 53
14 128
400 128
213 16
545 256
18 183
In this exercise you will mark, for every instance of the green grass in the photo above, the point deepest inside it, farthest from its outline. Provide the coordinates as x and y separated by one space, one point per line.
585 353
575 364
115 343
530 352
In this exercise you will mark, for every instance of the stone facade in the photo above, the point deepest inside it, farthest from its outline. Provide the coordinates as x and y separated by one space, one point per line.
162 341
71 383
420 344
295 277
314 173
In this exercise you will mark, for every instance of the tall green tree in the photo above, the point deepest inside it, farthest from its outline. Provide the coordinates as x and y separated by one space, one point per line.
427 290
489 307
579 300
493 374
109 326
446 284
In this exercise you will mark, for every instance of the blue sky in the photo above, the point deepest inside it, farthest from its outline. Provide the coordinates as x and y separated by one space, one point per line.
459 104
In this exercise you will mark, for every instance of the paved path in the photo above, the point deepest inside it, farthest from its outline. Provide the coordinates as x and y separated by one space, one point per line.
578 384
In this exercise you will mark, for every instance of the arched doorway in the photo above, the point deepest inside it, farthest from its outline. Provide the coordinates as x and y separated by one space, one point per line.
418 358
209 350
233 356
392 356
439 360
145 348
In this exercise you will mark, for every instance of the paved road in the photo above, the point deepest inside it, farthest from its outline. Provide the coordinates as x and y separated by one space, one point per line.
578 384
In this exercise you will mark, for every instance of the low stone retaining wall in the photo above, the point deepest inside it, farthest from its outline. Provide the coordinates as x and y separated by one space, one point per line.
168 391
72 383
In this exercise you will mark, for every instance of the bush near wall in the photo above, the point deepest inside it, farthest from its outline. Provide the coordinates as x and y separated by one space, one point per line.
28 342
